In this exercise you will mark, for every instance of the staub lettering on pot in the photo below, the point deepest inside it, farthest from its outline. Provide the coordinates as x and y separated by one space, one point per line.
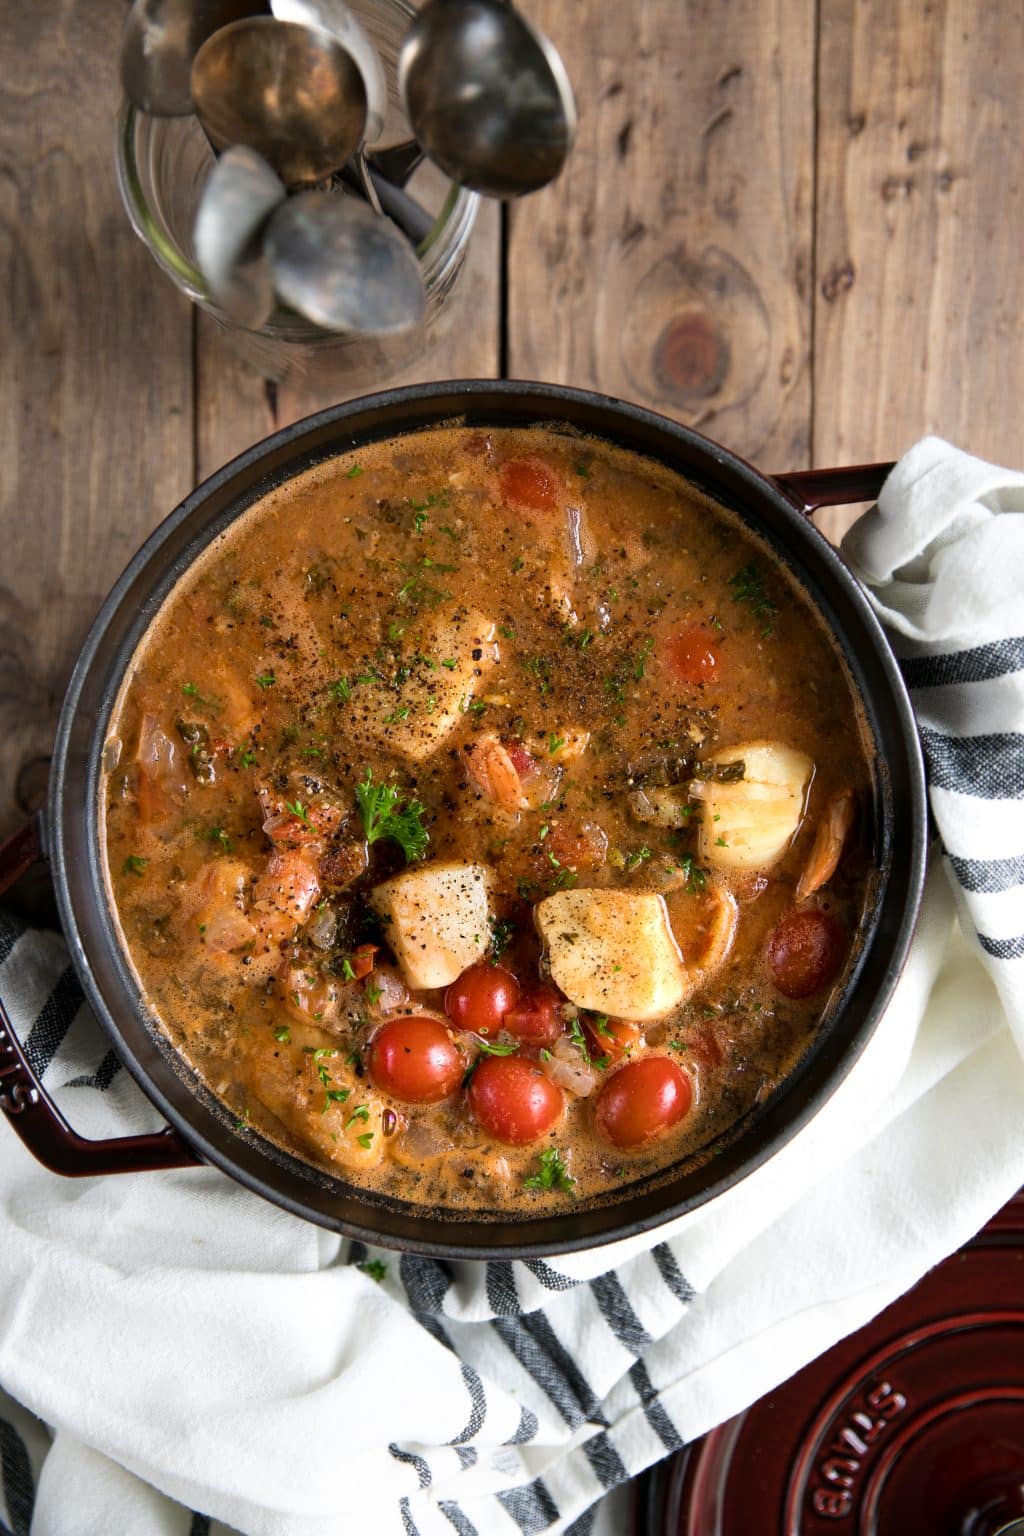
841 1462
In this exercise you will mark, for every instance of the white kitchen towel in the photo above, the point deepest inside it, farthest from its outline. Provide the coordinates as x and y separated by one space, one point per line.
182 1358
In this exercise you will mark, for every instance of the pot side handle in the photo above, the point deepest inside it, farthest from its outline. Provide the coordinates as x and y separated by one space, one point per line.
26 1104
809 489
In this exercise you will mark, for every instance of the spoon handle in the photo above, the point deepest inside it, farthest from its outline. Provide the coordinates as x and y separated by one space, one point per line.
397 162
404 211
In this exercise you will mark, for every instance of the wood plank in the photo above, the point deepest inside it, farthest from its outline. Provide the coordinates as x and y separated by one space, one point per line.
920 285
95 370
235 407
670 264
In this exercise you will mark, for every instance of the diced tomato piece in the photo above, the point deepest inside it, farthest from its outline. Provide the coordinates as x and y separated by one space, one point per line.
522 761
362 960
577 844
689 656
528 483
805 951
614 1038
537 1017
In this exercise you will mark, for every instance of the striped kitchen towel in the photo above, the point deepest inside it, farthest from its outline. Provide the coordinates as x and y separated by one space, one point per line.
180 1357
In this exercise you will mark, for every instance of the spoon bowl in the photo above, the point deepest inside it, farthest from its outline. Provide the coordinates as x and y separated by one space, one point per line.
335 18
240 194
342 266
289 92
159 41
487 96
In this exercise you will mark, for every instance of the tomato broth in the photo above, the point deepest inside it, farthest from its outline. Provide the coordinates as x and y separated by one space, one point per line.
483 819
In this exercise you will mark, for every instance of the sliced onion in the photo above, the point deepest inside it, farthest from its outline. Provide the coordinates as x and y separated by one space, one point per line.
323 928
157 752
392 994
112 749
566 1067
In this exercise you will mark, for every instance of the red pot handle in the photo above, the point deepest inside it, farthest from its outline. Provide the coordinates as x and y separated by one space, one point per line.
810 489
29 1108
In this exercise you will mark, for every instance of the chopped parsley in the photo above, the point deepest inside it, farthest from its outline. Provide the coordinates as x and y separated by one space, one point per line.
296 808
219 836
555 744
641 660
340 690
365 1140
283 1033
502 932
373 994
356 469
192 692
497 1047
576 1038
387 813
375 1268
696 879
133 865
553 1173
748 587
361 1112
266 680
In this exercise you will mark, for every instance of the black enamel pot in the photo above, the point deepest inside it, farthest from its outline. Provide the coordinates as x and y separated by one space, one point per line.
200 1130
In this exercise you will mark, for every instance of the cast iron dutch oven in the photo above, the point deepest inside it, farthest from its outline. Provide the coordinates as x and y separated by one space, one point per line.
201 1130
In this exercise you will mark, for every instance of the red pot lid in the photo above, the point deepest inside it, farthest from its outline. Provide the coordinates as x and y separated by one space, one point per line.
913 1425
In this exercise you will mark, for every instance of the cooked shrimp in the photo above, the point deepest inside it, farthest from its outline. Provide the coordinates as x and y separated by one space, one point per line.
495 775
833 829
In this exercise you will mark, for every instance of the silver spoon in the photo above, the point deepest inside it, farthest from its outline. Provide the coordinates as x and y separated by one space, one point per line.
287 91
240 194
487 96
159 42
335 18
339 264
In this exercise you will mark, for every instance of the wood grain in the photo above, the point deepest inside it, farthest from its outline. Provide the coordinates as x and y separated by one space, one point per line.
95 370
920 284
671 263
235 407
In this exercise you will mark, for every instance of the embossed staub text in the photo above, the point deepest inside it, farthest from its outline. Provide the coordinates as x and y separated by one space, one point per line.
841 1459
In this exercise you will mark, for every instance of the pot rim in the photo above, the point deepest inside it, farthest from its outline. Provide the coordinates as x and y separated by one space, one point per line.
623 421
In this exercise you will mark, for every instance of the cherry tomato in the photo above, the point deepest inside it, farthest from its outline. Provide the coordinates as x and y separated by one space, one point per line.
414 1059
614 1038
528 483
513 1100
481 997
805 951
537 1017
689 657
642 1100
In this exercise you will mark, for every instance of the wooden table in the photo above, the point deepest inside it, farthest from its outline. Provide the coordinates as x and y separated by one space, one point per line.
794 224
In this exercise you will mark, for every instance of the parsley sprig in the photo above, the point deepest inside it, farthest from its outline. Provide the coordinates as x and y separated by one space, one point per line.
553 1173
387 813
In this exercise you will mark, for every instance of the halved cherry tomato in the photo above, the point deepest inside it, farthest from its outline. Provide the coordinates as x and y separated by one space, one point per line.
614 1038
513 1100
689 657
642 1100
481 997
537 1017
528 483
805 951
414 1059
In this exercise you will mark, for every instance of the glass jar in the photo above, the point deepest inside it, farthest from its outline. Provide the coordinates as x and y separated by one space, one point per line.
162 165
